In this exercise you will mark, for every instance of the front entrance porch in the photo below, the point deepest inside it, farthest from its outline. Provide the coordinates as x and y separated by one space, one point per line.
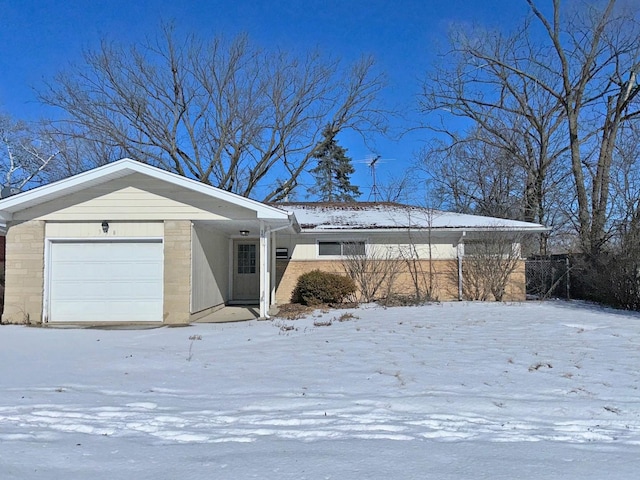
233 264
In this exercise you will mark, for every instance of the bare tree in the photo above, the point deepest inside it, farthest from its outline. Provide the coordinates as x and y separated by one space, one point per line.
515 125
226 113
27 155
626 179
399 187
375 271
598 70
472 176
485 174
488 264
423 277
564 95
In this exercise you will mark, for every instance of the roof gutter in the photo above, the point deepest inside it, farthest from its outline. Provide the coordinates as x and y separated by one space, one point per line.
462 230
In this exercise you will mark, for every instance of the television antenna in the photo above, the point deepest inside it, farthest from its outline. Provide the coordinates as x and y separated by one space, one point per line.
372 162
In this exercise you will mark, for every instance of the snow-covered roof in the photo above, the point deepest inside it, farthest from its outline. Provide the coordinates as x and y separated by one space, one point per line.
327 217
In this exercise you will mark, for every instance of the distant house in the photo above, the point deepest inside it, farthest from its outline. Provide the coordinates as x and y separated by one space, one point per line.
128 242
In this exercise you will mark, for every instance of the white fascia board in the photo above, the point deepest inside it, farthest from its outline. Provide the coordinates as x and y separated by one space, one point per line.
533 229
125 167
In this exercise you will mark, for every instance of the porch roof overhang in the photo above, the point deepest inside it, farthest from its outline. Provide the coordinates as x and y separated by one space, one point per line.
252 226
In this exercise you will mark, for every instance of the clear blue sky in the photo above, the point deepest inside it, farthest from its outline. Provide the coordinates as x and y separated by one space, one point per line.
38 37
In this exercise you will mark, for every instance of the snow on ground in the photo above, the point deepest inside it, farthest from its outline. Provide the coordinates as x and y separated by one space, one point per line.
444 391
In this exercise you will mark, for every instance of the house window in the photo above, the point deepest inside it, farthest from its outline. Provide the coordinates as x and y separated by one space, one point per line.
329 248
338 249
247 258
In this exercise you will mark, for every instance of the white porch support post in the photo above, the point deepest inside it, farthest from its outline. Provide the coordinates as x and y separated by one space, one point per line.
273 269
232 253
264 271
272 252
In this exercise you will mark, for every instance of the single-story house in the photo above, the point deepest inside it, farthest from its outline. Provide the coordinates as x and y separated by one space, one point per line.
128 242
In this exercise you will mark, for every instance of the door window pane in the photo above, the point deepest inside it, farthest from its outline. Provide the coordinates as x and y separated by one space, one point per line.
246 258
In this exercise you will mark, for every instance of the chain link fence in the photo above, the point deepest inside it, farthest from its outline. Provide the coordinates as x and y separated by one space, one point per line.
548 277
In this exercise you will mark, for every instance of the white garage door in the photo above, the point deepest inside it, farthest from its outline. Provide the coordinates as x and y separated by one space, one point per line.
106 281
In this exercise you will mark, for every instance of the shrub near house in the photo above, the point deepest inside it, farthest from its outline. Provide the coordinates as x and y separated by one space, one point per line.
317 287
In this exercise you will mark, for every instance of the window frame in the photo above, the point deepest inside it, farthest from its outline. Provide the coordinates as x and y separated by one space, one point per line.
342 244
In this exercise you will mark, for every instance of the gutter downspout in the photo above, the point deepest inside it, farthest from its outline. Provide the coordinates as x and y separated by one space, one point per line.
460 255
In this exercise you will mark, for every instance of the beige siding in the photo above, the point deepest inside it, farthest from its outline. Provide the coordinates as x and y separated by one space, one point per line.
304 249
94 229
24 273
210 269
305 246
177 271
134 197
437 251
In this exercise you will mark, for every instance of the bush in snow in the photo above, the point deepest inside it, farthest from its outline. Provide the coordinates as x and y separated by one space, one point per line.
317 287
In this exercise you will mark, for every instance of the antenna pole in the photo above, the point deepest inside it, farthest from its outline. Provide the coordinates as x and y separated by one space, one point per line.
374 186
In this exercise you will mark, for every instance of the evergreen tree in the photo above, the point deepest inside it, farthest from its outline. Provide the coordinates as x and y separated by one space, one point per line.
333 171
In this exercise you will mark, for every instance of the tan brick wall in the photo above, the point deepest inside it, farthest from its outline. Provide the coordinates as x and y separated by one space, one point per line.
440 278
24 273
177 271
288 271
443 275
517 288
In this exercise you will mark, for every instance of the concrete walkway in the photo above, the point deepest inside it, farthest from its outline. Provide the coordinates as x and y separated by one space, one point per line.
232 313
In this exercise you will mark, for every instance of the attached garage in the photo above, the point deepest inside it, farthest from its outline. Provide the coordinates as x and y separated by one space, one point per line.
130 243
105 281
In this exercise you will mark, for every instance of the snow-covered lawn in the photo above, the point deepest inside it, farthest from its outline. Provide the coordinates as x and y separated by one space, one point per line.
450 391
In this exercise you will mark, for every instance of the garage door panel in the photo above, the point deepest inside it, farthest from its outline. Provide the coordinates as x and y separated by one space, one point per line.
130 290
106 281
117 311
101 271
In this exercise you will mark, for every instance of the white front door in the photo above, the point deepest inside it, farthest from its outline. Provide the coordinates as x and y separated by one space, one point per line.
104 281
246 270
